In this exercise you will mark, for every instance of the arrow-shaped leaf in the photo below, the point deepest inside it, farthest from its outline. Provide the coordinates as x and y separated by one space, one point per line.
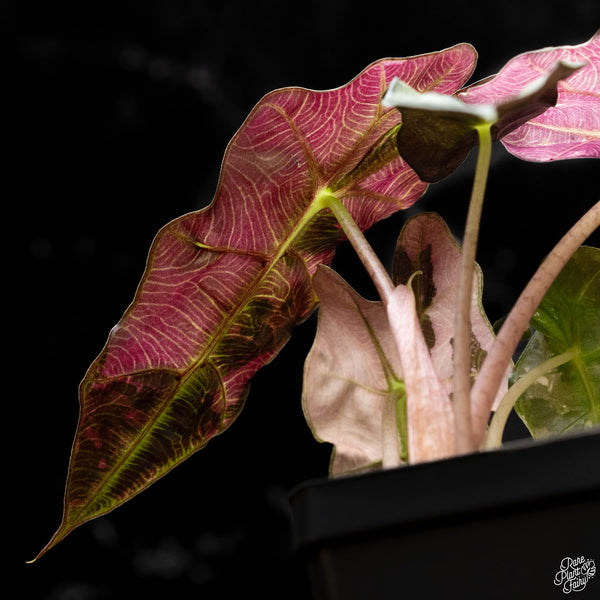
224 286
565 398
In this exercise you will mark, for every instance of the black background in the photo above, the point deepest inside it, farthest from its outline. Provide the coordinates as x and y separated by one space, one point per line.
122 113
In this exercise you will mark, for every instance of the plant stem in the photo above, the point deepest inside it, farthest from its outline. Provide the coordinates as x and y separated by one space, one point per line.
496 430
500 354
370 260
390 439
461 400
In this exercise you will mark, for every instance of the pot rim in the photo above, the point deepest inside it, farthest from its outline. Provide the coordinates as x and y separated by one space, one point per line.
516 476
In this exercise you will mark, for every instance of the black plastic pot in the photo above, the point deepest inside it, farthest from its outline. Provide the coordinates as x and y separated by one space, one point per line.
490 525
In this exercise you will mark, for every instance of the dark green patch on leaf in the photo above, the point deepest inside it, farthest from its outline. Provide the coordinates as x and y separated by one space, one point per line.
435 139
433 146
423 286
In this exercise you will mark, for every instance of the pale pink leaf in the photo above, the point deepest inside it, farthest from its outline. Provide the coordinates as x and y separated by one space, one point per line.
571 129
347 374
429 410
426 245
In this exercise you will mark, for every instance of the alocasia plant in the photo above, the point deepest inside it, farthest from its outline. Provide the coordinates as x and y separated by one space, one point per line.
224 286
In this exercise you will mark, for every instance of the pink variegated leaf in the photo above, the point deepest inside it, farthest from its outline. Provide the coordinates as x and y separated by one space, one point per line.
571 128
224 286
427 247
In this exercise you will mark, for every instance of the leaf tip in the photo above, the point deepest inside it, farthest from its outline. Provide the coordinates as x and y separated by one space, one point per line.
41 553
60 534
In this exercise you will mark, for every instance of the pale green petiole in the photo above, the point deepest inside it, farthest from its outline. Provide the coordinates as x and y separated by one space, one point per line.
464 442
394 443
499 355
498 423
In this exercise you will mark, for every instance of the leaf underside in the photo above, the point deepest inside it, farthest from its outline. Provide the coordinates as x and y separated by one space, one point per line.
224 286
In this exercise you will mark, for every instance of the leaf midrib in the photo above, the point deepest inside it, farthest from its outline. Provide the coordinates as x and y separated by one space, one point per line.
316 205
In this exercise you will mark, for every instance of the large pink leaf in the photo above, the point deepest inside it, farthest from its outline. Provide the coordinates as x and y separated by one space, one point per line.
571 129
224 286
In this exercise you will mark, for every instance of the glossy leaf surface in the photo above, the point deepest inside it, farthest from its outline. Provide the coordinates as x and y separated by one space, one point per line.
224 286
571 129
354 367
567 398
